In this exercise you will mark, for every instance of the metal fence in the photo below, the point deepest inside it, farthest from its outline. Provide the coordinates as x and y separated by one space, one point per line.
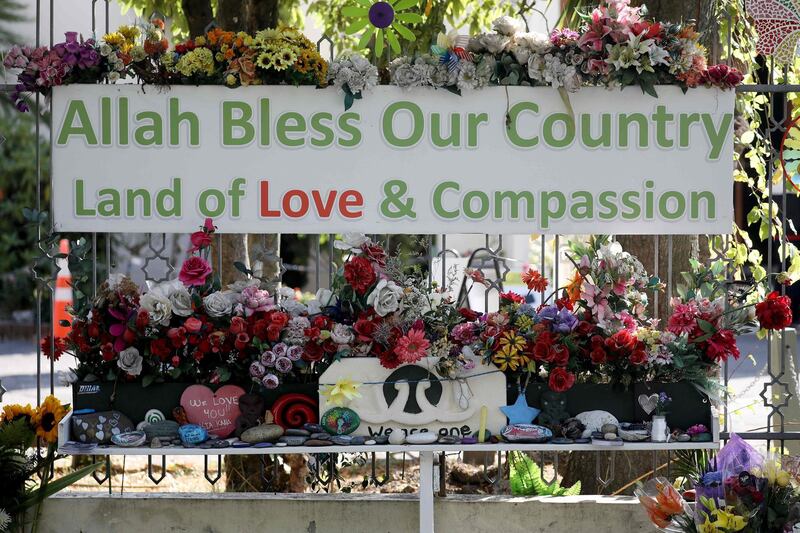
777 393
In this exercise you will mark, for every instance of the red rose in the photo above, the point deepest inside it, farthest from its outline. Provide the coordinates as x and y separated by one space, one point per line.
107 351
177 336
176 360
195 271
374 253
279 319
469 314
638 357
200 239
584 328
775 312
364 329
193 325
560 380
129 336
241 342
598 356
238 325
313 352
142 319
161 348
311 333
543 351
359 274
274 332
560 355
261 329
93 329
490 332
321 322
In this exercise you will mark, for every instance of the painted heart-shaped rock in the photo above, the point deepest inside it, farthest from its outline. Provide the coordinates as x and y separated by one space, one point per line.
648 403
214 411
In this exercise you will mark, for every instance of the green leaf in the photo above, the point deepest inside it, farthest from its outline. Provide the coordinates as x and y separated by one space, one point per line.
147 380
241 267
54 486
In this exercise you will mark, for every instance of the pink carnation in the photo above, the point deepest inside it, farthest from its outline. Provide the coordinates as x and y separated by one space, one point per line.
464 333
683 319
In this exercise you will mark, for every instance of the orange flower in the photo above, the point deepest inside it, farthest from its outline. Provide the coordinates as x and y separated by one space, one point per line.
667 503
534 280
573 288
669 499
654 512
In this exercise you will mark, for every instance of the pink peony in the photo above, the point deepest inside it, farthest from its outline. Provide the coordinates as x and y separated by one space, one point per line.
254 300
412 347
194 272
683 319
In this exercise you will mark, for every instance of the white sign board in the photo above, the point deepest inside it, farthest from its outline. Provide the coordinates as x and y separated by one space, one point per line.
414 398
291 159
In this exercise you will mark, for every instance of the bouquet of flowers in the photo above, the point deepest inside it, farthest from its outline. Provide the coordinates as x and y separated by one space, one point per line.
189 329
26 475
386 309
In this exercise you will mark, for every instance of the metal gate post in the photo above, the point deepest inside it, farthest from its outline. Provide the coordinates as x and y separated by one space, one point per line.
426 492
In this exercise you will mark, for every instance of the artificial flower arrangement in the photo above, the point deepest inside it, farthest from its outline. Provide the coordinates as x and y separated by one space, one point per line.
595 330
26 475
192 330
616 47
739 490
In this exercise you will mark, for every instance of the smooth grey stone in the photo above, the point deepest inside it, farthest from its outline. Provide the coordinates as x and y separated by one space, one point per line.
313 428
166 429
683 437
293 440
281 444
241 444
156 443
610 436
262 433
448 439
320 436
381 439
608 428
370 443
263 445
341 440
358 440
562 440
205 446
292 432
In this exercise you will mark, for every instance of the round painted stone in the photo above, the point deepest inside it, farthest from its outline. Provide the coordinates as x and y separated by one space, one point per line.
154 415
192 434
526 433
129 439
469 440
340 421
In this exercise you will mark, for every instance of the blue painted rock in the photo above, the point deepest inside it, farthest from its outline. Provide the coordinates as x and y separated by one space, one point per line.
340 421
192 434
526 433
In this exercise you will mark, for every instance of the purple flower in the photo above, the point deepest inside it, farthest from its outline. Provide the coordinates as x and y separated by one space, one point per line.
294 353
270 381
562 321
283 365
268 358
257 370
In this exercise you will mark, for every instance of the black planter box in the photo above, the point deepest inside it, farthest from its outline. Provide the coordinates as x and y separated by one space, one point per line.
133 400
689 406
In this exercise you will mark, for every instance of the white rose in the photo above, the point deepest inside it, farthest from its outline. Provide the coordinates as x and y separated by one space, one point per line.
287 292
130 361
385 298
218 304
341 334
158 306
295 307
507 25
326 297
351 242
181 302
495 43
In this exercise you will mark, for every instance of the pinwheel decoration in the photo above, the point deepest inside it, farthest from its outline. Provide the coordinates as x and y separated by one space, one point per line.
384 20
778 27
451 49
790 154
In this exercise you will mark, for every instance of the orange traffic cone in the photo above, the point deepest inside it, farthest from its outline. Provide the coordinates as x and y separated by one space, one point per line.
63 294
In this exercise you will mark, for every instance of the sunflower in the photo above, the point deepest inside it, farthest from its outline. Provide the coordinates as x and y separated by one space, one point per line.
506 359
381 20
17 411
47 417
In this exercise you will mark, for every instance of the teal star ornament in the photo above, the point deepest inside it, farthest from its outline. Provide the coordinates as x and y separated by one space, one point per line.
520 412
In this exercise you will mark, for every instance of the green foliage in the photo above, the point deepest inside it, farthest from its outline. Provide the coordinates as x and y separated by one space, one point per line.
526 479
9 12
690 465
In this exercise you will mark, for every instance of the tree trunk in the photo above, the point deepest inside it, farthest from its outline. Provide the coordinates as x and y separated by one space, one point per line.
198 15
247 15
630 465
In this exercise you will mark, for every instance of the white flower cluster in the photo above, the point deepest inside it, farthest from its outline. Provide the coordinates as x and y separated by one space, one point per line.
425 70
354 72
549 69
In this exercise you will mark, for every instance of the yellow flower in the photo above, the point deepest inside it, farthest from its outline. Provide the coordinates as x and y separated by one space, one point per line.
707 526
47 417
506 358
114 39
729 521
17 411
230 79
342 392
523 322
514 341
198 61
200 41
130 33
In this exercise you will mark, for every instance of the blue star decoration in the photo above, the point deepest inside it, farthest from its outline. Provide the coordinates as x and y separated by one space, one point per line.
520 412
